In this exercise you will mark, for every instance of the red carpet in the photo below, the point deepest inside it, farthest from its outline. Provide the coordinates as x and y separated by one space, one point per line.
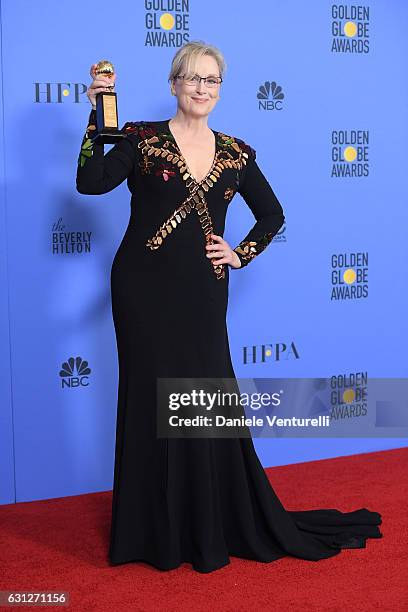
61 544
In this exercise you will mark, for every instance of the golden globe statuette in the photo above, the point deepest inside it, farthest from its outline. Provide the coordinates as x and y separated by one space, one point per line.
107 126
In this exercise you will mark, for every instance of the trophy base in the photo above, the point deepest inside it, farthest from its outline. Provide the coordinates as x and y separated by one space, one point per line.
108 136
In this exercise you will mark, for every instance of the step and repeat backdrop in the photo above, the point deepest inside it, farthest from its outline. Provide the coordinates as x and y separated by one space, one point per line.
319 89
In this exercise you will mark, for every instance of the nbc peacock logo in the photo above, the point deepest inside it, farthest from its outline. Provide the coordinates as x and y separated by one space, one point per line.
75 373
270 96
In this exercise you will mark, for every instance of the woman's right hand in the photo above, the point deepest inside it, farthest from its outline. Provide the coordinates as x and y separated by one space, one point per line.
100 83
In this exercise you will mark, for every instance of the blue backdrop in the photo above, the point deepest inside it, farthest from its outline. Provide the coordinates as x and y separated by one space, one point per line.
319 90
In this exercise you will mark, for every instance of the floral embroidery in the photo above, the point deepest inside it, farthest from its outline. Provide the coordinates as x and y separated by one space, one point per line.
86 146
247 148
229 141
163 144
144 129
86 151
145 165
167 136
248 249
165 172
228 193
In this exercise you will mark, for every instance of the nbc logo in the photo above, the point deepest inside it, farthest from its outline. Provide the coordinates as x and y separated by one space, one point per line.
270 96
74 373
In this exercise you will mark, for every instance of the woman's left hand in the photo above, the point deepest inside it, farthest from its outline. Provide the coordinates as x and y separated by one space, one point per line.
221 253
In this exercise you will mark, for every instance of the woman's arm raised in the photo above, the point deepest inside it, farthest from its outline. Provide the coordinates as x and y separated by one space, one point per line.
98 173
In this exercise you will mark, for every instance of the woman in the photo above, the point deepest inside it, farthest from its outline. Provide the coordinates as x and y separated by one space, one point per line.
190 500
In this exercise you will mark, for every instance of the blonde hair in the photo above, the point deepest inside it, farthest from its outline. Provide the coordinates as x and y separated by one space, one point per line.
187 56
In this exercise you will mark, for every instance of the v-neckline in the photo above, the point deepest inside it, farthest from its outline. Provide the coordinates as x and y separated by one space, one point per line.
184 159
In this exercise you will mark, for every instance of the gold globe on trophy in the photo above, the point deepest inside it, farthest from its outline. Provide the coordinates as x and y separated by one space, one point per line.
107 125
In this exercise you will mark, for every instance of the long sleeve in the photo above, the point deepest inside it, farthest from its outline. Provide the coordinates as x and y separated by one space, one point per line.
98 173
268 212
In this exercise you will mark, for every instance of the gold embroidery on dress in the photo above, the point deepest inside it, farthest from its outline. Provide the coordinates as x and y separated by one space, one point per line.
196 200
145 165
248 249
228 193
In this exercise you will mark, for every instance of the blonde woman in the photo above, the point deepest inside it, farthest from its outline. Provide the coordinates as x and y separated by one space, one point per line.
195 500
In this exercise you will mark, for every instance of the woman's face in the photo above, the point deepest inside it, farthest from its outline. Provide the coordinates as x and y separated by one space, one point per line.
198 100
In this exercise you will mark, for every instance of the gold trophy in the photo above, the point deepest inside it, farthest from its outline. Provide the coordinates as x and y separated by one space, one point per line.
107 126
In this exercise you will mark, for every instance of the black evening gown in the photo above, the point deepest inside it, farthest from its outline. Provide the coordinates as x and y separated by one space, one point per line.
194 500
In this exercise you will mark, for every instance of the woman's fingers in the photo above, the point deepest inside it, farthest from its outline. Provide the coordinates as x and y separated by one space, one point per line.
216 247
100 83
96 88
220 252
219 244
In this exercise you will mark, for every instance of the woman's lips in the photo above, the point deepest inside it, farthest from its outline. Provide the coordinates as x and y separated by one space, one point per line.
200 100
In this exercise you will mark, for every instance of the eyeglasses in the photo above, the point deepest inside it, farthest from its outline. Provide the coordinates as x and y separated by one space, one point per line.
208 81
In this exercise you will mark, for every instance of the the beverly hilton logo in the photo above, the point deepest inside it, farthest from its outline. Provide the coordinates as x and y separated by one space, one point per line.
65 242
166 23
262 353
74 373
350 28
270 96
349 276
350 153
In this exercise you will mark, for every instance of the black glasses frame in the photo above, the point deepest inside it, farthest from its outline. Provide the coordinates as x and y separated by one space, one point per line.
181 76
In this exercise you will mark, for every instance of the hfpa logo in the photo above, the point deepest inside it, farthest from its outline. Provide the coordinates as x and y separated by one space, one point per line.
74 373
262 353
270 96
49 93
